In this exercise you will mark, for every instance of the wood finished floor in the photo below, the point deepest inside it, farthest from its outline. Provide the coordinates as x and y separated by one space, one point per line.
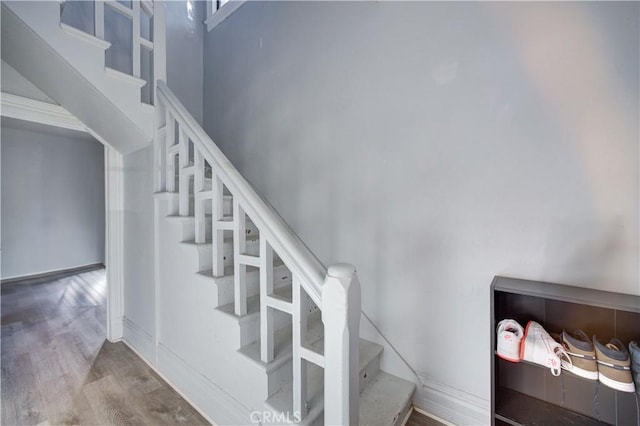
419 419
57 367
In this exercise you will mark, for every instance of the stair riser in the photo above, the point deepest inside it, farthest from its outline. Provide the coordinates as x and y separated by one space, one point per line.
227 206
189 229
205 253
369 372
281 277
283 374
250 329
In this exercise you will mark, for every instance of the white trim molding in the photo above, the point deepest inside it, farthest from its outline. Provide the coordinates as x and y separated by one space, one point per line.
138 338
27 109
114 190
216 405
223 13
454 405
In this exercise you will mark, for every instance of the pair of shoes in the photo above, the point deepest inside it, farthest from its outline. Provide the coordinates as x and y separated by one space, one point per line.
533 344
614 365
610 362
588 358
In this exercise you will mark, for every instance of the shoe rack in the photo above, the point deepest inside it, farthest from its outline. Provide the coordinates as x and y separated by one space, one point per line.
525 393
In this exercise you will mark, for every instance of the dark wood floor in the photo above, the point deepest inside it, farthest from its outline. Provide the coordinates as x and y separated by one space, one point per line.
418 419
57 367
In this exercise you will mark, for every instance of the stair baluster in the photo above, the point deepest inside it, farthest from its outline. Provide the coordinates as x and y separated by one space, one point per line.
299 319
98 11
135 22
171 153
198 195
217 229
239 249
184 172
266 314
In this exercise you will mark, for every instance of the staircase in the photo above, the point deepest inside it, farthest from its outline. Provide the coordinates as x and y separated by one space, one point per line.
69 66
249 324
269 300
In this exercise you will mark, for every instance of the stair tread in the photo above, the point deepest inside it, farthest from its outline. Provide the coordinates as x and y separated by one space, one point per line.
253 302
165 195
282 343
282 401
228 272
208 217
134 81
250 239
90 38
178 218
384 399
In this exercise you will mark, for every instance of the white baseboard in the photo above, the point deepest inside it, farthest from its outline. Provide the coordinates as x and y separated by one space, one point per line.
139 340
201 392
53 272
454 405
212 402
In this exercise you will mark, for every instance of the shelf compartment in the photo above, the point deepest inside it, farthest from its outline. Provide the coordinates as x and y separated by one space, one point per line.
518 409
558 307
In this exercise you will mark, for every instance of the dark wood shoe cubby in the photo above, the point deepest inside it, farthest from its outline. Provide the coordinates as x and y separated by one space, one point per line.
528 394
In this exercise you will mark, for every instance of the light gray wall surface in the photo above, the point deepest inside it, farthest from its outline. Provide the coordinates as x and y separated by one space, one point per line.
184 52
138 239
436 145
52 199
79 14
13 82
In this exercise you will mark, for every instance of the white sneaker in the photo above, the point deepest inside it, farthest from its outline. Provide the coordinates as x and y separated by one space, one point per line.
509 335
540 348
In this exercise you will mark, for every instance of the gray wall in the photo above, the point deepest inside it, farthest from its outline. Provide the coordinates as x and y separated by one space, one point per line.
52 199
436 145
14 83
184 52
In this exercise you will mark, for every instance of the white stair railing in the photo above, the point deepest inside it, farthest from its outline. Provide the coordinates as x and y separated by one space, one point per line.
150 42
336 291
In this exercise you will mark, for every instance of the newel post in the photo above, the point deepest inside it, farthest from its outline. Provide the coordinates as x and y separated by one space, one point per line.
341 318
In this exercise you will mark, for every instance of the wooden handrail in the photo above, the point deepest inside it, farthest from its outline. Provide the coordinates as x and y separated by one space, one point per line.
295 254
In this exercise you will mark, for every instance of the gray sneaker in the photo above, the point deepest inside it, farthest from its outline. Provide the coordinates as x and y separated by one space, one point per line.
634 352
614 365
582 353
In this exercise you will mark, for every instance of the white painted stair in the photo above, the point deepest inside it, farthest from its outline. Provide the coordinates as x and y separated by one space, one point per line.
69 66
384 398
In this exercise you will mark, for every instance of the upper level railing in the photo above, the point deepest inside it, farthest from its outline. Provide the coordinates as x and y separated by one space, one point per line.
184 155
136 31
